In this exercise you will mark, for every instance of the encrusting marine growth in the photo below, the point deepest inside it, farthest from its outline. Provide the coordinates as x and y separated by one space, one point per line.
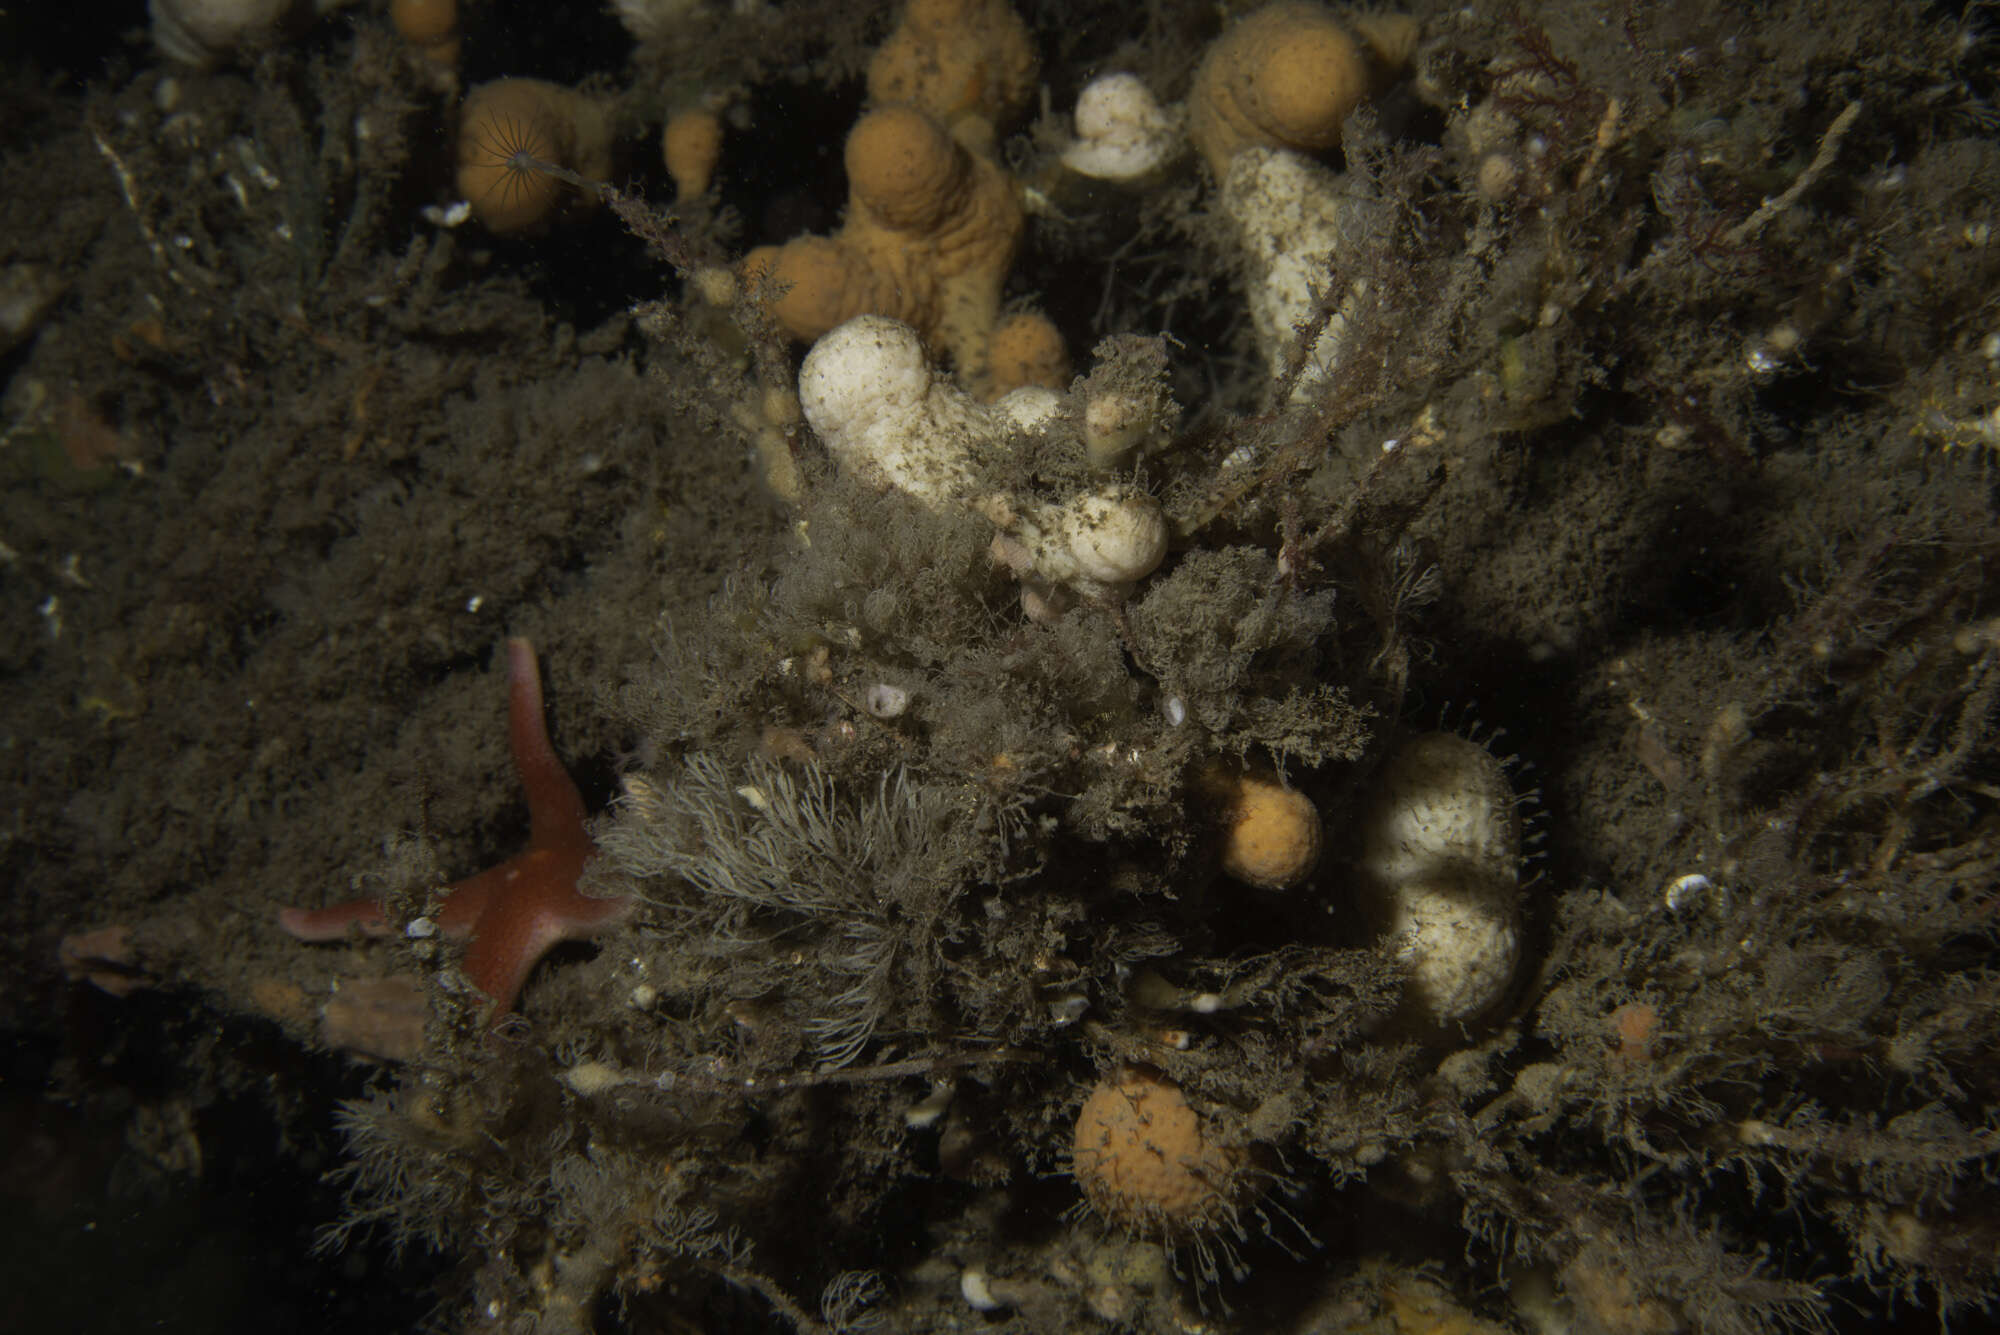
1008 613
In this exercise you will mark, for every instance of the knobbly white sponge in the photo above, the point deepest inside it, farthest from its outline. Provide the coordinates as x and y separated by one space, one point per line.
1301 232
887 415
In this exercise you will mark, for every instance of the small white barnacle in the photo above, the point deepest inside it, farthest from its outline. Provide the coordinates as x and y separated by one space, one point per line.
1688 892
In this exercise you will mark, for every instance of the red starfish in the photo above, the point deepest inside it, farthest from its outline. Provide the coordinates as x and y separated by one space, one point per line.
516 911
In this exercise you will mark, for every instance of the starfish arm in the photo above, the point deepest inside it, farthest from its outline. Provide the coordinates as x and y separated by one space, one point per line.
505 949
333 922
541 908
466 901
555 807
587 915
463 903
